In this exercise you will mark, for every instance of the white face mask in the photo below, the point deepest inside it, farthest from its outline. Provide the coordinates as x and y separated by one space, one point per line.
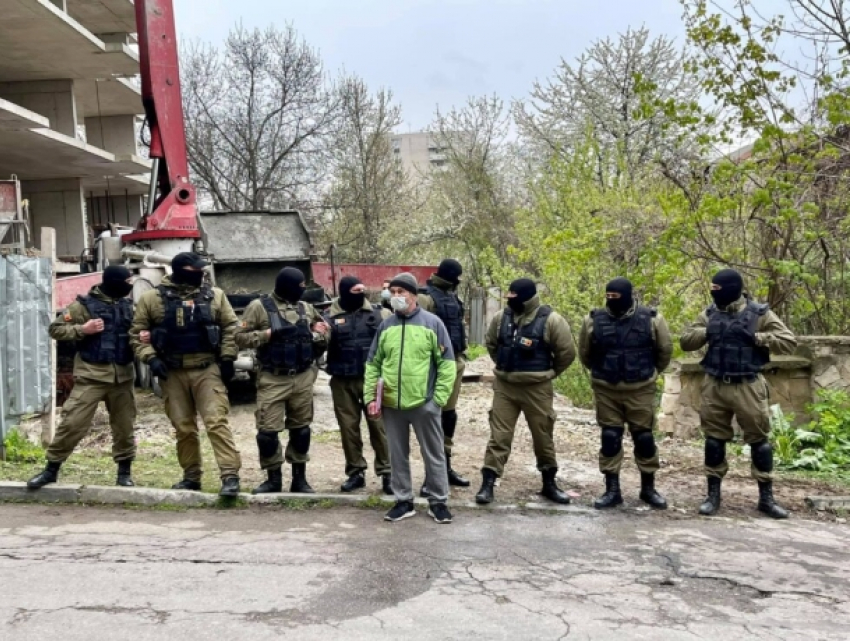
399 303
386 294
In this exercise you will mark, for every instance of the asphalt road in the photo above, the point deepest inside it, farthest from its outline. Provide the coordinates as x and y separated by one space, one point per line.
89 573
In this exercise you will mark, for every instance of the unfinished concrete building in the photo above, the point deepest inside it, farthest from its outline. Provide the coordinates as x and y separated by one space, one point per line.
69 116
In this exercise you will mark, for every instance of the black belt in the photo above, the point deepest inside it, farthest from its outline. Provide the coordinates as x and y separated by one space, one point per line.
282 371
736 380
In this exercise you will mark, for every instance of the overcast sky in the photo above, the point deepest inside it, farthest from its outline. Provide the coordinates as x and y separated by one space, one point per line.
433 52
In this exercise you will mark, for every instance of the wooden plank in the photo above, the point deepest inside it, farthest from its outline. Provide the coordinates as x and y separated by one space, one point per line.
48 250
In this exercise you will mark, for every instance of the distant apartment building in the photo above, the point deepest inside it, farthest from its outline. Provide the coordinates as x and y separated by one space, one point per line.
69 115
417 152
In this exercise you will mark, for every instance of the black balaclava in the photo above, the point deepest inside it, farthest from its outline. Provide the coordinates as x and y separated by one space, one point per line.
450 271
289 284
731 287
619 306
182 276
115 283
348 301
525 290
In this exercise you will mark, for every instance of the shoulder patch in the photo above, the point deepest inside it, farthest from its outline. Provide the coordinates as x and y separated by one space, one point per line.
68 318
340 321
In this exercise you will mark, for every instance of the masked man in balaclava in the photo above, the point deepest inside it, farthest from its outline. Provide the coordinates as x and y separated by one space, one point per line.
354 322
99 325
289 335
741 336
439 297
625 346
531 345
191 351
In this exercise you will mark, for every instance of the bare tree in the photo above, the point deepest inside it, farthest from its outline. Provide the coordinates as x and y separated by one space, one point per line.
258 113
368 190
604 94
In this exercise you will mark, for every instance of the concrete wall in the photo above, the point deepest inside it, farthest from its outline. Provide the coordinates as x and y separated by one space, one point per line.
820 362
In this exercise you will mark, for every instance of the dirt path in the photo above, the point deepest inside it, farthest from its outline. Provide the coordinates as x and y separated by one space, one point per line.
577 444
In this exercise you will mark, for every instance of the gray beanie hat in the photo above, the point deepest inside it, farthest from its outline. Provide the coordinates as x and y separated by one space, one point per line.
407 281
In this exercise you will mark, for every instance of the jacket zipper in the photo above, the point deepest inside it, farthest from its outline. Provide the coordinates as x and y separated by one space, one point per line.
401 359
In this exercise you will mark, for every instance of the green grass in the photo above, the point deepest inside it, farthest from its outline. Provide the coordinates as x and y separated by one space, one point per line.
475 351
299 505
375 502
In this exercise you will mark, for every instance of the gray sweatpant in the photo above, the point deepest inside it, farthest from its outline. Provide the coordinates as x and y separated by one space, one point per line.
427 423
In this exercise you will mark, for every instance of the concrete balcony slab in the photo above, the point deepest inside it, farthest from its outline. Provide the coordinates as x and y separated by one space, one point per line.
39 41
14 117
104 16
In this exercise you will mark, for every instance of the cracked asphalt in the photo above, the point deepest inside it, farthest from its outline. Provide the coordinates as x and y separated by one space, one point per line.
342 573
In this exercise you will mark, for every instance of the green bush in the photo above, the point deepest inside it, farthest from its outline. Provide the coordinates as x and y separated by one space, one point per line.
821 446
575 385
20 450
475 351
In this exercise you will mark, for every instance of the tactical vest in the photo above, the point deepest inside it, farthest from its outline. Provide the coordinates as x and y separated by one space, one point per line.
732 349
112 345
449 308
351 339
289 351
623 348
523 349
188 326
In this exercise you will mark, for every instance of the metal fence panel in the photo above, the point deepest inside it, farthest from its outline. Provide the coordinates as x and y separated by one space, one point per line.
25 314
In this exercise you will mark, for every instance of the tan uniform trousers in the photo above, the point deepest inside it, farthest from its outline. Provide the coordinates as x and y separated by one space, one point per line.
535 401
284 402
748 402
619 408
347 393
78 412
188 392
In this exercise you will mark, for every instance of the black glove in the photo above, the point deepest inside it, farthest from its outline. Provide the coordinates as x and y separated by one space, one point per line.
228 371
158 368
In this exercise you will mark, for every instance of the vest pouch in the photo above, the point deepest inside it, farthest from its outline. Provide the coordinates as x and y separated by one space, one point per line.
526 344
214 336
636 366
159 336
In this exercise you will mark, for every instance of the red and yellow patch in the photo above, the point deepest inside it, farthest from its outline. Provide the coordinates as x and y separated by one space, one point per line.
67 317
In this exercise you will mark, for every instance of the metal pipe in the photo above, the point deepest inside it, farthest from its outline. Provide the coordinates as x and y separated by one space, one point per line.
152 190
146 256
333 271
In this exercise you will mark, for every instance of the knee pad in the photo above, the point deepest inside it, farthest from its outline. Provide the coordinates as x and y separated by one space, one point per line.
267 443
761 454
299 437
612 441
715 451
449 421
644 444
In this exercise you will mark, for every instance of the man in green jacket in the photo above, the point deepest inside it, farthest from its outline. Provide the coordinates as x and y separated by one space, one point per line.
741 335
412 357
531 346
191 348
103 371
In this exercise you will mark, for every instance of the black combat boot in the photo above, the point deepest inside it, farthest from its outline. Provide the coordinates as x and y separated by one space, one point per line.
648 493
354 482
550 487
125 476
766 502
187 484
455 478
274 483
229 487
612 496
49 475
711 504
299 479
485 494
386 484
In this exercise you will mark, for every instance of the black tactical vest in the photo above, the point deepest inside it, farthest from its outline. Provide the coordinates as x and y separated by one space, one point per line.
289 351
351 338
523 349
732 349
188 326
112 345
623 348
449 309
